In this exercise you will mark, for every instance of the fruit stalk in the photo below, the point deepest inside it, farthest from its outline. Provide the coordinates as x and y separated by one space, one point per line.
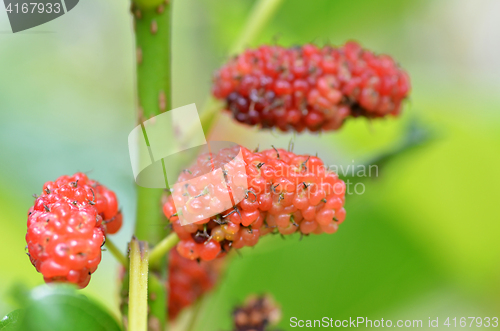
162 248
115 251
138 290
262 12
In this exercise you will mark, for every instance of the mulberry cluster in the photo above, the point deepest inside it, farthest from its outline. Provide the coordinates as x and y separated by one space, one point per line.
257 314
282 193
308 87
67 227
188 281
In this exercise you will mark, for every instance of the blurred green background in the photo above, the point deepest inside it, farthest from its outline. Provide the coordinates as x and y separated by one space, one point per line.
424 239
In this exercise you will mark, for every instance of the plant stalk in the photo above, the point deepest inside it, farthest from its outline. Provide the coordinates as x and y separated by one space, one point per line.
259 17
152 25
115 251
153 55
162 248
138 290
262 12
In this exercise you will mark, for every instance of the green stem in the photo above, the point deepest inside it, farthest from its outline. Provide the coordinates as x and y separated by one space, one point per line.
261 14
152 24
138 290
153 46
115 251
162 248
150 225
209 114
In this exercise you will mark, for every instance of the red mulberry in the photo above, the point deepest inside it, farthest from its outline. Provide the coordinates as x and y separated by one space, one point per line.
285 193
257 314
188 281
66 228
310 87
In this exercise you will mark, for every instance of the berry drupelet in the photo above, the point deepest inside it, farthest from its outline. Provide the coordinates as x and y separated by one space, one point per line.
308 87
67 227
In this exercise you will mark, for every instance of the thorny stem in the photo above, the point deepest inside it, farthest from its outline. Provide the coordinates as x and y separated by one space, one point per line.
115 251
152 25
153 45
138 290
162 248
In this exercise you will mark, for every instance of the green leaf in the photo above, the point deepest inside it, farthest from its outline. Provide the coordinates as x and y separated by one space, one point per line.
18 295
61 308
12 321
